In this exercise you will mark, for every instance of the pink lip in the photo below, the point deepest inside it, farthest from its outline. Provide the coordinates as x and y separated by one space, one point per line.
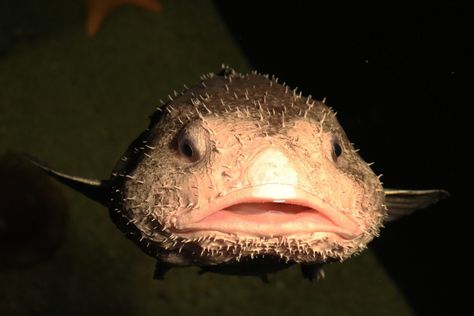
268 210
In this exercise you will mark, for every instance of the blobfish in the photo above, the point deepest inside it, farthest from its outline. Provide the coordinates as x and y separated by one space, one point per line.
241 174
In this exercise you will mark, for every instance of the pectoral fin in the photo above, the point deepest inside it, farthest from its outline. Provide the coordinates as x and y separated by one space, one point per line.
96 190
405 202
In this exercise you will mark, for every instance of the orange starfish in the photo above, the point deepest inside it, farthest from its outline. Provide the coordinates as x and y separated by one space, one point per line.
97 10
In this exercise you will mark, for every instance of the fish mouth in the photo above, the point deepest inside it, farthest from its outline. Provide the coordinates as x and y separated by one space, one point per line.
269 210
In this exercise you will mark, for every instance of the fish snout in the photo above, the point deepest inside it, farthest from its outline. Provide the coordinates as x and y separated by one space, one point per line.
272 165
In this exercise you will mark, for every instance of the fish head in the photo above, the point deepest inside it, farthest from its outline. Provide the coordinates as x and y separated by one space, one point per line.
241 166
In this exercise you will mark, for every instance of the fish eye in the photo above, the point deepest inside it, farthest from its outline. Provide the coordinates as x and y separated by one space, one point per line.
187 148
191 143
336 149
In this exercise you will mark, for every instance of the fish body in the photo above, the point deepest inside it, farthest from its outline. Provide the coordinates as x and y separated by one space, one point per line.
241 174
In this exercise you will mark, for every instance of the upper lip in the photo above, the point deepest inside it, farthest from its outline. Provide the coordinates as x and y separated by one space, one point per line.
343 224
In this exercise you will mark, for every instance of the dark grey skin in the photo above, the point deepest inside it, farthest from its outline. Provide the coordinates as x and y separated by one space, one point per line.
242 175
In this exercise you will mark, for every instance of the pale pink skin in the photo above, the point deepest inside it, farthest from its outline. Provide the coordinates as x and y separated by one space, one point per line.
247 170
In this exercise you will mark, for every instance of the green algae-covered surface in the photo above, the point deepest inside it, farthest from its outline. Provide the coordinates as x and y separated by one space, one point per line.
77 103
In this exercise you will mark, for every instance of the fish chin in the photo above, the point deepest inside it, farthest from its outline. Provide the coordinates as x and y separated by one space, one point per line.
213 247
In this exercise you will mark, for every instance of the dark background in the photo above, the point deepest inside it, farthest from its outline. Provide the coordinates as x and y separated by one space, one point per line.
400 77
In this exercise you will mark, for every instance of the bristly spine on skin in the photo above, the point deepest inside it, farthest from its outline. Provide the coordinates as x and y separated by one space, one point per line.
287 249
228 74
